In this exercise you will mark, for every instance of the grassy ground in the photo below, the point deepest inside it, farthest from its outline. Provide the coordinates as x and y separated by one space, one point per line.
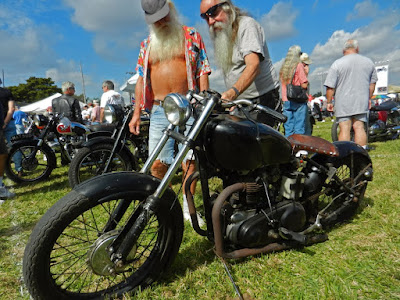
361 260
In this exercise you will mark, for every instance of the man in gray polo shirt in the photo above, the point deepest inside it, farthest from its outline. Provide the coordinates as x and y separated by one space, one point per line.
352 79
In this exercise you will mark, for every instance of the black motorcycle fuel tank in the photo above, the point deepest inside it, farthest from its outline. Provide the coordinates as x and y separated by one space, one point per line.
238 144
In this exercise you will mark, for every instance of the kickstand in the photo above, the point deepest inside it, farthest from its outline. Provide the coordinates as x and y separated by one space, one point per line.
231 278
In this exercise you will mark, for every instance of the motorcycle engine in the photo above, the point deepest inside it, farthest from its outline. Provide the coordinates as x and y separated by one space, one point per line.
253 223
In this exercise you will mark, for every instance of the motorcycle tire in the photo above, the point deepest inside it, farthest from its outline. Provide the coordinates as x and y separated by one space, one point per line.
339 207
34 169
88 163
66 255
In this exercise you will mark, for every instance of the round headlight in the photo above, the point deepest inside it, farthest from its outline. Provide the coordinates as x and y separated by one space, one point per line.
113 113
177 109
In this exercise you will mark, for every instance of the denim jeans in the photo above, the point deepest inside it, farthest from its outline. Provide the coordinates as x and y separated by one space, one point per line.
158 122
296 114
9 132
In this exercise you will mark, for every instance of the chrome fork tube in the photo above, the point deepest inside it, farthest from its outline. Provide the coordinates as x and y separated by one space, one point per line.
153 156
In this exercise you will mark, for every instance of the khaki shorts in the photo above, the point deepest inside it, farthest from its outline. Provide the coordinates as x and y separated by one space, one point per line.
3 145
359 117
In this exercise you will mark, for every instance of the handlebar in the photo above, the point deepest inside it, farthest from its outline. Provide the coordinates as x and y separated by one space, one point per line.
273 113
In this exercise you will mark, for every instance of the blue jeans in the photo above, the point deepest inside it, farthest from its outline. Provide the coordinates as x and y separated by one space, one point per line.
158 122
296 114
9 132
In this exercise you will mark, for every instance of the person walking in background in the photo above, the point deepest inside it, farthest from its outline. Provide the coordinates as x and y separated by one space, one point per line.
85 114
109 97
9 129
67 104
242 53
292 71
352 80
95 115
5 95
172 59
18 117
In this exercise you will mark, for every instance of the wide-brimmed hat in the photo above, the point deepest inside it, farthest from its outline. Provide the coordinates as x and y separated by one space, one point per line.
305 59
155 10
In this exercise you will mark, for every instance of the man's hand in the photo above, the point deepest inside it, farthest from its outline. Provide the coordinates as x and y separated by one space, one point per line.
229 95
329 107
134 124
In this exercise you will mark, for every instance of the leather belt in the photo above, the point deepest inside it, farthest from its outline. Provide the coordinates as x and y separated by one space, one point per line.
157 102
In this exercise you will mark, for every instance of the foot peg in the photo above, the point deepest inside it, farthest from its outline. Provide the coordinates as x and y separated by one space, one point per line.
294 236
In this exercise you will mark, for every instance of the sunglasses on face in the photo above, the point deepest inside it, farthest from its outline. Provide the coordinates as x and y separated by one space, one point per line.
212 12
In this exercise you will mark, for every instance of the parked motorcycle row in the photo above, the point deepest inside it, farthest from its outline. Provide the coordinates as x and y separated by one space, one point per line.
118 232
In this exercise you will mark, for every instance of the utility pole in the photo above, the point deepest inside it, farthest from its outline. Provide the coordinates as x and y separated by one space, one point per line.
2 70
322 86
83 84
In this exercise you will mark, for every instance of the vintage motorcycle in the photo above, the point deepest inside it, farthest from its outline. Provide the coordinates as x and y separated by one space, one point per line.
383 123
121 152
118 232
35 150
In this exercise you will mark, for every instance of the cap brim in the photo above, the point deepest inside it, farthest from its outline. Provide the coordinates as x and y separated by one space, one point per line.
162 13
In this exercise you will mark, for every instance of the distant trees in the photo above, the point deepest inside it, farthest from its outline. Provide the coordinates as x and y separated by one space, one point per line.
34 89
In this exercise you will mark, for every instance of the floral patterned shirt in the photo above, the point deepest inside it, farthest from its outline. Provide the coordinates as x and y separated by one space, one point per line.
197 63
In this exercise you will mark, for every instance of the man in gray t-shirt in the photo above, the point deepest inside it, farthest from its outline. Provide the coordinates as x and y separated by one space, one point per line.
352 79
242 53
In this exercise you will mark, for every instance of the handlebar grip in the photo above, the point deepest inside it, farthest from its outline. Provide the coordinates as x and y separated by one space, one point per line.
273 113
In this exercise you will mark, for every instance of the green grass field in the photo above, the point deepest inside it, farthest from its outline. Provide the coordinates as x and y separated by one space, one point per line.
361 259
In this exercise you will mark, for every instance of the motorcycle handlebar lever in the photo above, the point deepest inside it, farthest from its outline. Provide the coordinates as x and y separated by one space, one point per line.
273 113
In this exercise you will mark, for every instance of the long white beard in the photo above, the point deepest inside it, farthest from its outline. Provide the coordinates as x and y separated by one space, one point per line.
166 42
223 44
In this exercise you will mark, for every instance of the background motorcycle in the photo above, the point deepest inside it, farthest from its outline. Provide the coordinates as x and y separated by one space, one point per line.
383 123
121 152
35 150
118 232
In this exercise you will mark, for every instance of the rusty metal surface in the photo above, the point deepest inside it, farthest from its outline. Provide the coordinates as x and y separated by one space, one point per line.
313 144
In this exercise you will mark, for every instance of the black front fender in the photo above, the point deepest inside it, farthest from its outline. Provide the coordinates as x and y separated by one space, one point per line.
122 183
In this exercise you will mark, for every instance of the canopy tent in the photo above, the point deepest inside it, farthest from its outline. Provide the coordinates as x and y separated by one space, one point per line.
129 86
40 106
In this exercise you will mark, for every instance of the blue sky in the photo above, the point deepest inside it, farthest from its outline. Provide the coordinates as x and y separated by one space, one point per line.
51 38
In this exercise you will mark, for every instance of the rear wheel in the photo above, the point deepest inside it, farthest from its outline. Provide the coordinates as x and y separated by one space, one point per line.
336 204
28 163
66 256
91 161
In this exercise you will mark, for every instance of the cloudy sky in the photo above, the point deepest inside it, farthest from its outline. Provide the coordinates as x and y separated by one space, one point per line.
53 38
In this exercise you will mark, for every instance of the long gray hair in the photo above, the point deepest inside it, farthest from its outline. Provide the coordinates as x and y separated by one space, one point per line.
290 63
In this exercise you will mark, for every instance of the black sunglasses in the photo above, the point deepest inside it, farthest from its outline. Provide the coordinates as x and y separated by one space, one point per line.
212 11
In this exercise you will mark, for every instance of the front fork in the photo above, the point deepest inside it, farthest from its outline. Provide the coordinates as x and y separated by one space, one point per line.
122 245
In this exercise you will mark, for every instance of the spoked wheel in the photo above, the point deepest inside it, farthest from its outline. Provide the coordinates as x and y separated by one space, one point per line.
66 256
35 164
91 161
337 204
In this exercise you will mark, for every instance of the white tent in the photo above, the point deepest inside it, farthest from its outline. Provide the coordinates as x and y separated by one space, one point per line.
40 106
129 86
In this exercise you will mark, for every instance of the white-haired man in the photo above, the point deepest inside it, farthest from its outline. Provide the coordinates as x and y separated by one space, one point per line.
172 59
242 53
352 79
67 103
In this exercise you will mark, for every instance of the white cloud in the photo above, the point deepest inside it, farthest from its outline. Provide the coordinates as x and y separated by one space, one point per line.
364 9
278 23
118 26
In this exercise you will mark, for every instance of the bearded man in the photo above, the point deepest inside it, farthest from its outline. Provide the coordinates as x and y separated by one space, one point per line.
242 53
172 59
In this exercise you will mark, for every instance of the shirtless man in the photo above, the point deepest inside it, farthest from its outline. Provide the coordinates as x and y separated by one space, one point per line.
162 70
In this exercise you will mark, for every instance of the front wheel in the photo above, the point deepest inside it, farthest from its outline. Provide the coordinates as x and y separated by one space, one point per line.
91 161
26 162
66 256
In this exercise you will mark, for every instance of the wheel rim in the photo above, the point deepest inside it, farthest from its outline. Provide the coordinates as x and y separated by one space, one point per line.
33 167
93 164
77 254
